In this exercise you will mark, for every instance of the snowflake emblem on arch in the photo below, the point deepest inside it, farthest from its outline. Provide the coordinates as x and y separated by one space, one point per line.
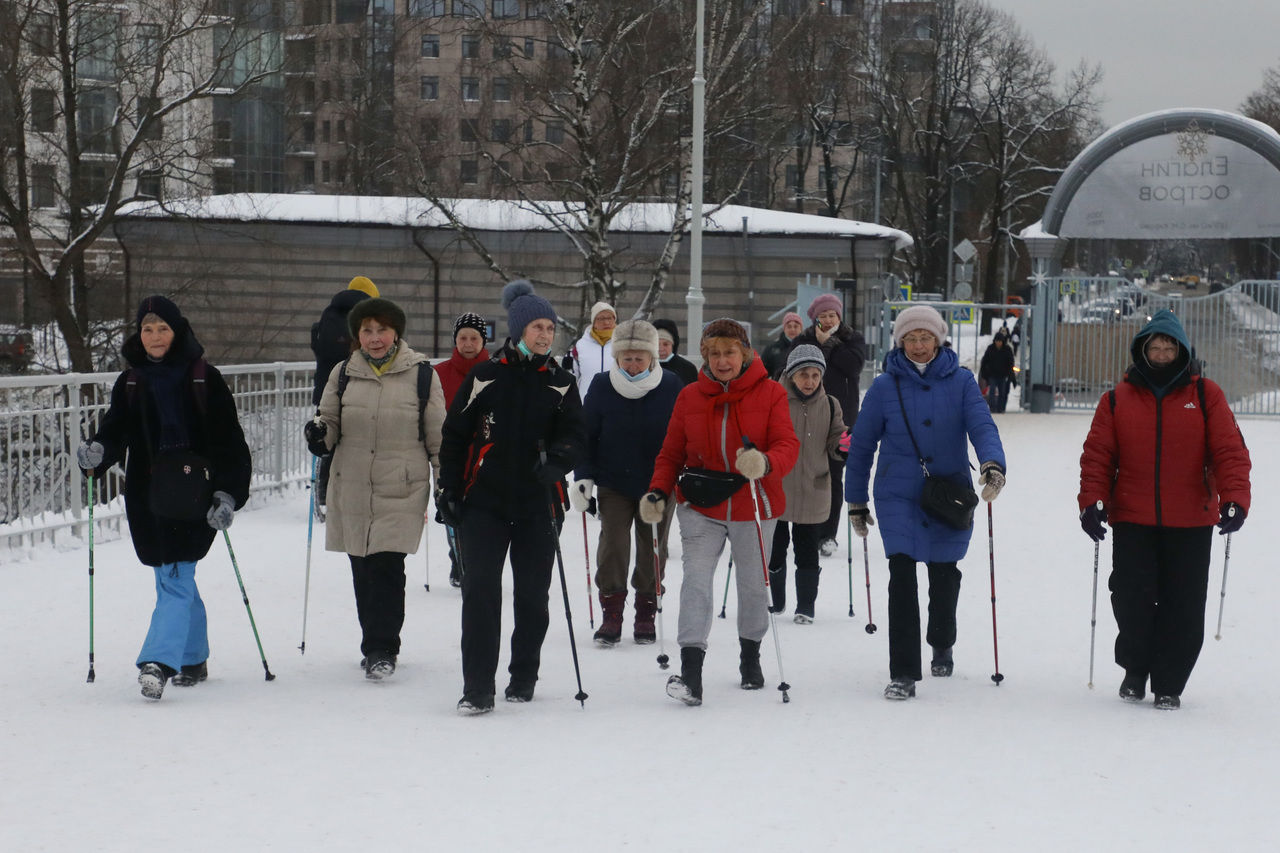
1193 141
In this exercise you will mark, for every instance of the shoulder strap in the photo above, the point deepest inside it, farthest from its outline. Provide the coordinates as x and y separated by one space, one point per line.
1111 398
898 384
199 385
424 395
831 406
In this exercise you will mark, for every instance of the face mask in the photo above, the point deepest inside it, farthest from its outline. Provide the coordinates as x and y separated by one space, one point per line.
524 349
641 375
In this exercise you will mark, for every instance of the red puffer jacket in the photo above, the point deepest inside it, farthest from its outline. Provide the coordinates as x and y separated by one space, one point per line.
707 429
1150 461
454 370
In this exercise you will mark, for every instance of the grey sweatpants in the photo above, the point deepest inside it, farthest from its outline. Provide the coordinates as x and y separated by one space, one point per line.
702 540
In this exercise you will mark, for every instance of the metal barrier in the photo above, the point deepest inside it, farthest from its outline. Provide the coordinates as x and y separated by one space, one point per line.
44 418
969 329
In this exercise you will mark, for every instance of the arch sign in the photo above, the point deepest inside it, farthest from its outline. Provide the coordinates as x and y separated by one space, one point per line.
1172 175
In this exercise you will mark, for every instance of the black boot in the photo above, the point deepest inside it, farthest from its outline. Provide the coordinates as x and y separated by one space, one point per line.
687 686
749 664
191 674
941 666
1134 687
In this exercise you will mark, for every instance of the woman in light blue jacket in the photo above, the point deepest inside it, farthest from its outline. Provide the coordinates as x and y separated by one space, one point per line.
924 400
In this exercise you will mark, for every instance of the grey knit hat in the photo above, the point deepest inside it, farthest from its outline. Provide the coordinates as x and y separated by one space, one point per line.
805 355
635 335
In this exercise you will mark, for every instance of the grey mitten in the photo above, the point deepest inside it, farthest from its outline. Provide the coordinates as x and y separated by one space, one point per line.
222 511
89 455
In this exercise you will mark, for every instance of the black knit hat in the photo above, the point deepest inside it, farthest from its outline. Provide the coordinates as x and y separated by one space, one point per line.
162 308
471 320
669 326
383 309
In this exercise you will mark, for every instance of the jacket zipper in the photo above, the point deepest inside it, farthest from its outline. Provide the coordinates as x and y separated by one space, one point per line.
1159 443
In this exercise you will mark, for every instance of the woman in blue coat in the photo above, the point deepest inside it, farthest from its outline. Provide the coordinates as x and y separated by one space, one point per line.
922 393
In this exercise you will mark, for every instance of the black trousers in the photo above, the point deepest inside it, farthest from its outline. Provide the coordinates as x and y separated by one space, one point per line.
804 541
904 613
830 529
379 584
486 537
1159 583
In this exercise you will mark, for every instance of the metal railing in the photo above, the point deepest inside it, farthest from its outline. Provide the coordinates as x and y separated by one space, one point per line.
43 419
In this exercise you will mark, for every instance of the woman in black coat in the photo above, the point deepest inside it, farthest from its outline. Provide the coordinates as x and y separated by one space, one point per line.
173 414
996 371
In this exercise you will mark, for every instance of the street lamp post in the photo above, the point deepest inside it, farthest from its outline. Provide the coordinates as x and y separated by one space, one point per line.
694 298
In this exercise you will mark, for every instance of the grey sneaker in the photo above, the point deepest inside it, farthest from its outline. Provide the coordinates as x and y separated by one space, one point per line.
152 678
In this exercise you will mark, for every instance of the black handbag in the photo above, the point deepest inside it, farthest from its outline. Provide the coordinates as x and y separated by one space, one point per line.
949 501
704 487
181 486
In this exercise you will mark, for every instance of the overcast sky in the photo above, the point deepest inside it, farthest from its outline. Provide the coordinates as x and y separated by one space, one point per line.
1159 54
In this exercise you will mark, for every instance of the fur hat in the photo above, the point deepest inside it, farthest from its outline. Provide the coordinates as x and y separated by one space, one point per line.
805 355
635 335
381 309
668 328
363 285
523 306
162 308
826 302
470 320
916 318
600 307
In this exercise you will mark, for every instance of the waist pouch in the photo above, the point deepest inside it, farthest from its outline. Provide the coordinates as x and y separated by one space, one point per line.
704 487
181 486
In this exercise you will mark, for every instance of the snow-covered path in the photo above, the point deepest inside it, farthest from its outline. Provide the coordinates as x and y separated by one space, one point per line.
320 759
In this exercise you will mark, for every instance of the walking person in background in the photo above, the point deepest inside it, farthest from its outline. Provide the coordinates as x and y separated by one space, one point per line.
503 499
819 428
996 371
470 334
1163 463
922 399
775 354
172 415
331 344
669 352
384 436
593 353
728 446
626 416
845 352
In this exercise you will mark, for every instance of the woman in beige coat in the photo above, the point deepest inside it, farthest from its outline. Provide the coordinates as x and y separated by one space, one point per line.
385 443
819 425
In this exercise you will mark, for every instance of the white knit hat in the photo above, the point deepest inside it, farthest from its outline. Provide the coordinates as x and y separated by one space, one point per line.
601 306
916 318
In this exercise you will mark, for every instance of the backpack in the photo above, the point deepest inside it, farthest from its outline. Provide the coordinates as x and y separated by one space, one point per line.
199 388
425 378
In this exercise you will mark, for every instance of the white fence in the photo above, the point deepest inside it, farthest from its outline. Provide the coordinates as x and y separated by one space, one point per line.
44 418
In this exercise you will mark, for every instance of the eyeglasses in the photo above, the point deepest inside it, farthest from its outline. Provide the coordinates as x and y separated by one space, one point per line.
916 340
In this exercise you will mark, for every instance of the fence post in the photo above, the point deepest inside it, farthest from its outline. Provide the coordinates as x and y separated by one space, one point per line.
75 477
279 431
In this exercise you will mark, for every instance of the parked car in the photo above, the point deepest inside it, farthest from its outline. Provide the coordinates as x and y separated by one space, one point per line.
15 351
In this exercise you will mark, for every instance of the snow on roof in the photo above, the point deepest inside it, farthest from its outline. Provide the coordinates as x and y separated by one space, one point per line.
1035 230
491 215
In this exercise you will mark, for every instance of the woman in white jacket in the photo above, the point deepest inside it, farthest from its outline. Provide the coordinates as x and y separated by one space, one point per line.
593 353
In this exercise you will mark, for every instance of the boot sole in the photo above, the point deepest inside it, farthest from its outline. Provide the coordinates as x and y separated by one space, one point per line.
646 641
677 689
152 686
606 642
941 670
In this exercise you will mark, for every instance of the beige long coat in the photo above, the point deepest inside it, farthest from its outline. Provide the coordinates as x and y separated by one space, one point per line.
380 481
808 484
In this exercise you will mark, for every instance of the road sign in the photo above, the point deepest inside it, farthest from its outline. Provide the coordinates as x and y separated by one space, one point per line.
965 251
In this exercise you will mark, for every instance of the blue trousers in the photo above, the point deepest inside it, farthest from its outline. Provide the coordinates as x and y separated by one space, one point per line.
179 632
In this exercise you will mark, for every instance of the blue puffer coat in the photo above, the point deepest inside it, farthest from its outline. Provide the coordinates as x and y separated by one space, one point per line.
945 407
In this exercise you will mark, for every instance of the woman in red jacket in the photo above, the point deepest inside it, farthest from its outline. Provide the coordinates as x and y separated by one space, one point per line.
1164 461
730 438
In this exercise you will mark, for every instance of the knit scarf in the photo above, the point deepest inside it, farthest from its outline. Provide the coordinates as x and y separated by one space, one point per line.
733 432
600 337
633 390
379 365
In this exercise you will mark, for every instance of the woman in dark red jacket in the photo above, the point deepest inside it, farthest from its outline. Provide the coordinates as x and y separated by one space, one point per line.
1164 461
732 428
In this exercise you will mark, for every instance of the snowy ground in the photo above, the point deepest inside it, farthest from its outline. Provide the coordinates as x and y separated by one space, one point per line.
320 759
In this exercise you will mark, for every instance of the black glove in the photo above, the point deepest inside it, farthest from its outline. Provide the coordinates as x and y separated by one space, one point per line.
549 473
448 509
1232 518
315 432
1093 519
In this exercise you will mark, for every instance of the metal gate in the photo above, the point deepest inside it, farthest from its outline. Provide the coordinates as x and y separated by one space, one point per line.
1235 333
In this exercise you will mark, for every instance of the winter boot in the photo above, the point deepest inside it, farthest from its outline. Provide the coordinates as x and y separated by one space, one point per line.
646 609
610 630
687 686
455 572
379 665
1134 687
191 674
778 588
900 688
473 704
749 664
519 691
151 677
941 666
1168 703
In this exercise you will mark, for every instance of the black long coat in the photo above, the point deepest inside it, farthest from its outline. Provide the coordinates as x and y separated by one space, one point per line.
130 433
846 353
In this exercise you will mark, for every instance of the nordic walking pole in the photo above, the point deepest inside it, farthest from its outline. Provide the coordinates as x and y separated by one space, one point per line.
849 548
991 551
552 496
586 548
1222 597
764 565
725 603
91 675
657 589
866 568
1093 611
306 587
269 676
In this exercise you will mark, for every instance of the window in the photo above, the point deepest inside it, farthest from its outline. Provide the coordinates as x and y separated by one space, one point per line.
470 131
97 111
533 9
528 48
221 128
42 40
471 46
324 92
44 111
555 132
98 43
506 9
342 131
43 186
309 134
340 89
470 88
223 182
342 50
430 47
146 107
500 130
326 131
501 88
528 130
502 174
308 173
325 52
326 172
149 43
794 180
430 88
426 8
470 172
95 178
501 48
150 184
468 9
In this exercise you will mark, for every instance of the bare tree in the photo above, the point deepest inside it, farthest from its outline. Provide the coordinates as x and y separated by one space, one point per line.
1264 103
106 105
